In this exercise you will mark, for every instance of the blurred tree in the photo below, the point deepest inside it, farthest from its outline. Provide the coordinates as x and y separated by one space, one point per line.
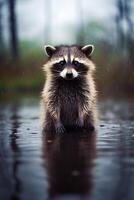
13 28
128 12
1 29
124 15
118 19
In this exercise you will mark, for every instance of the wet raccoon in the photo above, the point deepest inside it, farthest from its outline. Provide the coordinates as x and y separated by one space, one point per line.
69 94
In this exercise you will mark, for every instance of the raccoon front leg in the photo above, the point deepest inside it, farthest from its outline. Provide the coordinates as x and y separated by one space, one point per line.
80 119
59 128
49 125
89 123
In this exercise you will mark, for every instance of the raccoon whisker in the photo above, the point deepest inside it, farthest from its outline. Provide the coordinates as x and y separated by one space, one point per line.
82 71
56 71
79 73
56 76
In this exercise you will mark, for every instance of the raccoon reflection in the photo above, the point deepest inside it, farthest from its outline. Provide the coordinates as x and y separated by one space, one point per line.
68 161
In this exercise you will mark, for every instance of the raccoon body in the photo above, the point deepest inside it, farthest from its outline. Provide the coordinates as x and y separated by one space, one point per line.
69 94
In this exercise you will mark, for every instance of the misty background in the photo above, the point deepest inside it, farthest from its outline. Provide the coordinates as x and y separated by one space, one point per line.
27 25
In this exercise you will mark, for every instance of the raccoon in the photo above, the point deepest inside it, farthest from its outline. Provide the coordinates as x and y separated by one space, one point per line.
69 94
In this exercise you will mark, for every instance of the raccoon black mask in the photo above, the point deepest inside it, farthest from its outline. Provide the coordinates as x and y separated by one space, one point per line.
69 62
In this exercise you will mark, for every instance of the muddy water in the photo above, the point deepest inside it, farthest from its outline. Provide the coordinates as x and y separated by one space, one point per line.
96 166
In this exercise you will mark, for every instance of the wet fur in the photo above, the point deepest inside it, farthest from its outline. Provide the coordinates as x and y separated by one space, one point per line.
69 103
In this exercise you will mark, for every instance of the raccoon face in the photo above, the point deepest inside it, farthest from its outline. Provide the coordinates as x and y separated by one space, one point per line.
65 70
69 62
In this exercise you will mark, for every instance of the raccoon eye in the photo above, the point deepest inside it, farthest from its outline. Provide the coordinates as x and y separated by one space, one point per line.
76 63
62 62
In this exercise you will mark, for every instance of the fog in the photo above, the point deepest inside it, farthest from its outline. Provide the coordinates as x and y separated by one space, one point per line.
34 17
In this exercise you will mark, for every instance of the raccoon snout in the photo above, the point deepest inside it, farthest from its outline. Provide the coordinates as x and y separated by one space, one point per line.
69 74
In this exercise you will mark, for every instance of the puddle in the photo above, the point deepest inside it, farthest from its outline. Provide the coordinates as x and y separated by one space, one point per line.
97 166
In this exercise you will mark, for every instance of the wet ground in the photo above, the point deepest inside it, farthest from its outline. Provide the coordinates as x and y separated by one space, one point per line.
96 166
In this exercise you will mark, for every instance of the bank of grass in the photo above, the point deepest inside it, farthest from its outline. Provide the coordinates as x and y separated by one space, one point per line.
24 82
25 74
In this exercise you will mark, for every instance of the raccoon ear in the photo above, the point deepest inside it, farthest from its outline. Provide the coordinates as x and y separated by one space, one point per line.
49 50
88 49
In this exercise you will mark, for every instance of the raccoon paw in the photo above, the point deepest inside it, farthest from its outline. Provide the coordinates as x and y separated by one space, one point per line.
59 128
47 129
79 122
90 126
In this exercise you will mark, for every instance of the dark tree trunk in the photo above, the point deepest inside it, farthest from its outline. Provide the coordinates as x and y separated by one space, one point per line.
130 34
119 18
125 11
1 30
13 28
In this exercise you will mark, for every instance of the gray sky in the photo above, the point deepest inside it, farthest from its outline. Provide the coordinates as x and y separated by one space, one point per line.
32 18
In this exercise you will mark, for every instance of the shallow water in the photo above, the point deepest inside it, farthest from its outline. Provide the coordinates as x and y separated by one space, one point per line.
97 166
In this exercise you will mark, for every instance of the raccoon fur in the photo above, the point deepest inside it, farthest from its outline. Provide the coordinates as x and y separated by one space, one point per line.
69 94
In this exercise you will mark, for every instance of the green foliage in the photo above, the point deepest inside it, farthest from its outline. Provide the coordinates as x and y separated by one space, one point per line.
113 72
24 73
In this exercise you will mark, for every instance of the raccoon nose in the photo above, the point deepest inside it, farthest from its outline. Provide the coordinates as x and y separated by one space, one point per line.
69 75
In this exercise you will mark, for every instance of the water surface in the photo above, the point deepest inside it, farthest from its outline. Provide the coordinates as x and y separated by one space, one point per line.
36 166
